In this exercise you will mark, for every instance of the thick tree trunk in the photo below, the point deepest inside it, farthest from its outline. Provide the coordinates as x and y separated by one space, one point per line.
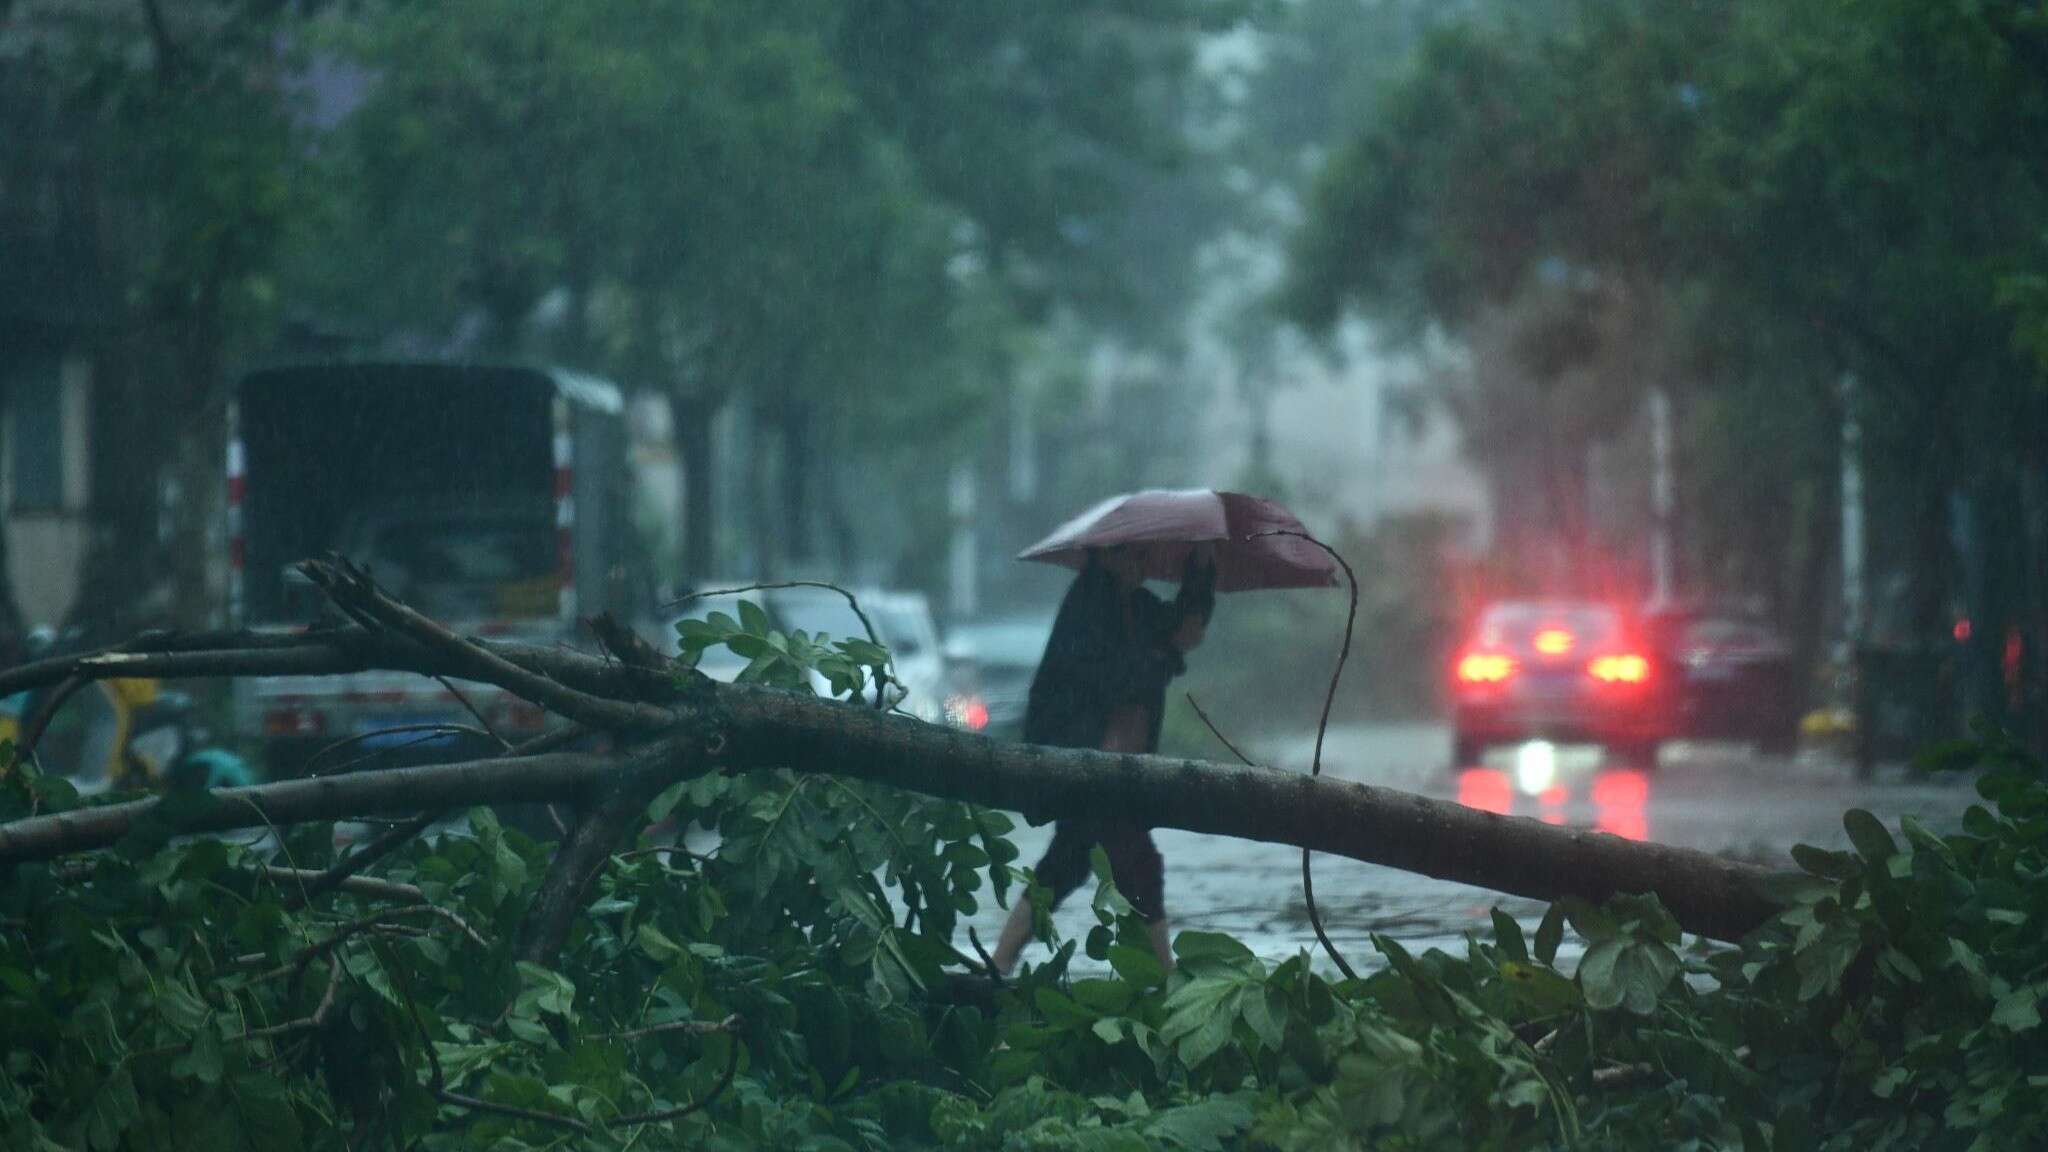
751 728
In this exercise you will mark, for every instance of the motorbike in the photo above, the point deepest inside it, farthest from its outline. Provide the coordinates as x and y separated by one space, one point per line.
120 735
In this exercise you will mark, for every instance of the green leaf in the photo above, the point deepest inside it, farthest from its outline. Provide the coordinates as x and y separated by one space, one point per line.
1508 935
1600 975
655 943
204 1060
1868 834
1266 1013
1632 975
1549 934
1195 947
2019 1011
1542 988
666 802
1211 1125
1820 862
753 619
1136 965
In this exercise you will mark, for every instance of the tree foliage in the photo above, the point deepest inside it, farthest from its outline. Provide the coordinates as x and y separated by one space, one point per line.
800 985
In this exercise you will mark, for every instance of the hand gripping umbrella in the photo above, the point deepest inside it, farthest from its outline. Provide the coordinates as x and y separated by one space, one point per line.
1163 526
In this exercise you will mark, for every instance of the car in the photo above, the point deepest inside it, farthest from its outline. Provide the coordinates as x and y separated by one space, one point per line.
1563 670
904 622
1728 674
991 662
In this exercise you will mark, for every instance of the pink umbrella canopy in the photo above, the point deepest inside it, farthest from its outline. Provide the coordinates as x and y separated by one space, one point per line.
1163 526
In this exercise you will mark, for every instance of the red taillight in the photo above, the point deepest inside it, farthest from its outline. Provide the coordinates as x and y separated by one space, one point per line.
968 712
1485 668
1553 642
1627 668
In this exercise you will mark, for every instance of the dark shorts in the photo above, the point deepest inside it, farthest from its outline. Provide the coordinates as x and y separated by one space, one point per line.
1134 863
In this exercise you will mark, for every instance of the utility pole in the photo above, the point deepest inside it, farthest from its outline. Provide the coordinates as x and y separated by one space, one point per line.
1661 497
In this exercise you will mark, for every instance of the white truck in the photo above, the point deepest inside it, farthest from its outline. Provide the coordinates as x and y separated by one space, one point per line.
492 498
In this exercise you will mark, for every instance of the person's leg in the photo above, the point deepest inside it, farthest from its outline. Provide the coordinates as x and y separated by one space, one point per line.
1059 871
1140 874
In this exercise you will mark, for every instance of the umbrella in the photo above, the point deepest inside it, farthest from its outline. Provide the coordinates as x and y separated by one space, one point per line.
1163 526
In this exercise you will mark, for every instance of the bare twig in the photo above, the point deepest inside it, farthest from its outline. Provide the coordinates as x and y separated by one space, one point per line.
1622 1075
358 885
988 962
882 678
319 1015
1308 884
692 1027
1214 731
732 1065
470 707
659 850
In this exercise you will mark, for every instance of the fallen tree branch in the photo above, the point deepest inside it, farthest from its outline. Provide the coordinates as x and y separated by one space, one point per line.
351 588
357 885
340 651
762 728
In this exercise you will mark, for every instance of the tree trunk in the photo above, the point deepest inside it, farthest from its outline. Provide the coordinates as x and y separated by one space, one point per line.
123 560
691 430
750 729
196 522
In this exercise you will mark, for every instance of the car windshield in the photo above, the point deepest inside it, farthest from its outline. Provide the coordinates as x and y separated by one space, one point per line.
467 568
904 629
815 611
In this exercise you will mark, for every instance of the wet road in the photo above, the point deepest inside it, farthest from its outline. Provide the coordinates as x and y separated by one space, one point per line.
1719 799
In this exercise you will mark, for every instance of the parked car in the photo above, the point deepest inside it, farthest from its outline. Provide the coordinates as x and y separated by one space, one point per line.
1728 676
904 622
1558 670
990 663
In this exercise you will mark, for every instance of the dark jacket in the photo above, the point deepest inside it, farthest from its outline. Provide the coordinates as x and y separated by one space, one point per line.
1107 652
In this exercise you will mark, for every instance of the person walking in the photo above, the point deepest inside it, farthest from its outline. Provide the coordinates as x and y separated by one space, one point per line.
1114 648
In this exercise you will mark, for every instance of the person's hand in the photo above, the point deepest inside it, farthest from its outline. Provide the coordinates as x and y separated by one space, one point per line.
1188 635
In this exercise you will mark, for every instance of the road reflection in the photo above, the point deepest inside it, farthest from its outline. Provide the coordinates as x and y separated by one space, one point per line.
1613 800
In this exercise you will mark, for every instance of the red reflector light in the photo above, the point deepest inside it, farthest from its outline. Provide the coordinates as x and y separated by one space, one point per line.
1553 642
1625 669
1485 668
